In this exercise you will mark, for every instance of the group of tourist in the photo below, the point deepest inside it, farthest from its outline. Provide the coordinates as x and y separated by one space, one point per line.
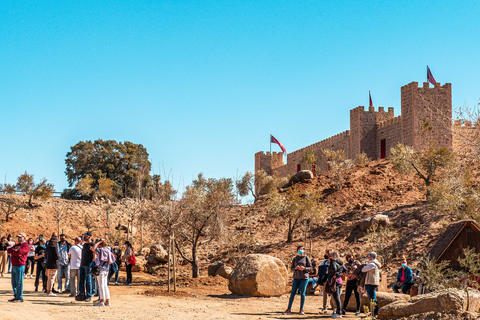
329 275
87 266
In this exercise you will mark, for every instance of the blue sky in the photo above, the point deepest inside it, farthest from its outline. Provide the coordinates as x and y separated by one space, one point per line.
202 84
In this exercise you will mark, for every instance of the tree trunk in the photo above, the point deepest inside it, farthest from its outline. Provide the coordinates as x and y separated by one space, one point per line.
174 264
168 257
195 267
58 228
290 236
30 200
305 242
141 235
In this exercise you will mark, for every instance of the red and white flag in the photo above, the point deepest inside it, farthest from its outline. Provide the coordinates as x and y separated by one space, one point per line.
274 140
430 77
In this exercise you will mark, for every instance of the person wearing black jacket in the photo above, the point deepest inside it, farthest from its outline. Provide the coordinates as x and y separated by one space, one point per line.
301 267
51 254
335 271
40 260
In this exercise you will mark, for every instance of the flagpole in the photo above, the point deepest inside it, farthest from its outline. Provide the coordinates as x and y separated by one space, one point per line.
270 144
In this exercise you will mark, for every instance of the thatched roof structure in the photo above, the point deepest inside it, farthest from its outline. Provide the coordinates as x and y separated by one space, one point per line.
458 236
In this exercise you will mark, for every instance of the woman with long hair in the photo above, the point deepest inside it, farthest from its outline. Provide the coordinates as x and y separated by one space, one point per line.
30 258
126 257
104 258
3 255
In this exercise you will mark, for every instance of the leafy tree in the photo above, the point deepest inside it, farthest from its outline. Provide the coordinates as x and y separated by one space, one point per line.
120 162
163 191
259 184
92 188
424 164
337 163
310 159
203 209
7 188
295 207
27 185
89 223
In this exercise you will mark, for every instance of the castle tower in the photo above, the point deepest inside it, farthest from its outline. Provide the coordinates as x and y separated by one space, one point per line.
268 161
427 115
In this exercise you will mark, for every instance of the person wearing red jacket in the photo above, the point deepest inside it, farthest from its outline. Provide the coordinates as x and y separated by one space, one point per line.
18 256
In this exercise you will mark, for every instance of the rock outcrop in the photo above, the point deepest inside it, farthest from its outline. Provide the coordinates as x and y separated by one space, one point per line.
259 275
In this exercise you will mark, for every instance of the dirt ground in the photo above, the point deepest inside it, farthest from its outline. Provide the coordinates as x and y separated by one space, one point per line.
202 299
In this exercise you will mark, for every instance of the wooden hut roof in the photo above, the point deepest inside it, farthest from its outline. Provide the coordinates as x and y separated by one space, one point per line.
448 236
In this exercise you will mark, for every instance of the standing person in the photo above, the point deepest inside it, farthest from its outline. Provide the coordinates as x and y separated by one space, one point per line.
75 256
372 280
301 267
85 289
63 267
18 257
51 256
117 252
351 266
40 238
40 259
404 278
335 271
126 257
322 280
104 258
30 258
3 255
10 243
313 276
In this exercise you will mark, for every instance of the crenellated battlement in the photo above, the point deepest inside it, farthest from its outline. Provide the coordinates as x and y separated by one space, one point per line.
389 122
371 110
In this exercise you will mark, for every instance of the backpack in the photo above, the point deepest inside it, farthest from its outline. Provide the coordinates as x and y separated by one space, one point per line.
132 260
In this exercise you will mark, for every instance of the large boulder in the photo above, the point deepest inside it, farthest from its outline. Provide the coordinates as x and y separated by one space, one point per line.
450 300
213 267
259 275
224 272
378 219
299 177
383 299
158 255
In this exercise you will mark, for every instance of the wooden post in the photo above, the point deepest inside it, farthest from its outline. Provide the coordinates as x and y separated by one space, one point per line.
141 235
168 258
311 249
174 264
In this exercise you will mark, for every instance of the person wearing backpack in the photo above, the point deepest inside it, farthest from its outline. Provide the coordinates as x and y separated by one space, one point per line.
85 287
104 258
335 271
129 259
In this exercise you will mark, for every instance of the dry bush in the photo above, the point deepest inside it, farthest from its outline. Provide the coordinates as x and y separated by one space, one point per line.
259 184
337 163
384 241
361 158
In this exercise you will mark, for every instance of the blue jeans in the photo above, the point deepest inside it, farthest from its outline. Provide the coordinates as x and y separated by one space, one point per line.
300 285
17 282
63 272
372 296
9 263
404 288
313 281
85 286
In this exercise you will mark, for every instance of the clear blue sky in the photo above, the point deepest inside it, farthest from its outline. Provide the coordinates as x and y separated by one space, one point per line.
202 84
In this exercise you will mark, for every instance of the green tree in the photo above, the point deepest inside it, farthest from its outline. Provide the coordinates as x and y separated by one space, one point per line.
259 184
310 159
7 188
120 162
424 164
92 188
203 208
27 185
296 207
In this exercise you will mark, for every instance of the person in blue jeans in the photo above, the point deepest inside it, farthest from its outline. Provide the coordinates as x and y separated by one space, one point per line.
85 286
301 267
404 278
372 279
18 256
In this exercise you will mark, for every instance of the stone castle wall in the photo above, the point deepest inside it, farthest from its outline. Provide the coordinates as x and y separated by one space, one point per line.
422 107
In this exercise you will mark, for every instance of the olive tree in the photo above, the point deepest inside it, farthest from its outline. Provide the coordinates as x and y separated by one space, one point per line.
27 185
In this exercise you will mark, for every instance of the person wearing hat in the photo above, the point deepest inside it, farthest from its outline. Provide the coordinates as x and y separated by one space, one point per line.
85 287
18 256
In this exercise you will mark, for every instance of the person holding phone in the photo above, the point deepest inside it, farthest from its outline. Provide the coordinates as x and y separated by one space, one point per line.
301 267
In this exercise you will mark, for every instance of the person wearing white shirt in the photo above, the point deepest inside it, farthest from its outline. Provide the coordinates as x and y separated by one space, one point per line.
75 257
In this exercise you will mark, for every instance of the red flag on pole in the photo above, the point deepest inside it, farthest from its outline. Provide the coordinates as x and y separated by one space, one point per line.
370 98
274 140
430 77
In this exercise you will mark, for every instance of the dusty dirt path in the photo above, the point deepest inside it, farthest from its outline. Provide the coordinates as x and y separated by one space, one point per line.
201 302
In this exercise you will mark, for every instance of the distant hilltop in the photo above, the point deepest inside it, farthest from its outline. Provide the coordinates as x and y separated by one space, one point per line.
376 132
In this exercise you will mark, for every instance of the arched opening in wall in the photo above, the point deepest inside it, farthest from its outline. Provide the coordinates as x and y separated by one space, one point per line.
383 148
299 167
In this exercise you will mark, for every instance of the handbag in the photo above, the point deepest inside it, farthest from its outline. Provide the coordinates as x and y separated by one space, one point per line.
132 260
331 286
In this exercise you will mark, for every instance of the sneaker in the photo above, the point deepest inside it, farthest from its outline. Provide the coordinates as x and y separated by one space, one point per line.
25 276
12 300
116 283
107 304
287 312
129 284
88 299
54 291
357 313
301 313
343 312
51 294
336 316
31 276
36 289
99 304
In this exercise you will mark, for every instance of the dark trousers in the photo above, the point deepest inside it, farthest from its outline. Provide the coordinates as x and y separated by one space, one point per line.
372 295
301 286
336 297
41 273
30 263
351 286
129 273
85 286
405 287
